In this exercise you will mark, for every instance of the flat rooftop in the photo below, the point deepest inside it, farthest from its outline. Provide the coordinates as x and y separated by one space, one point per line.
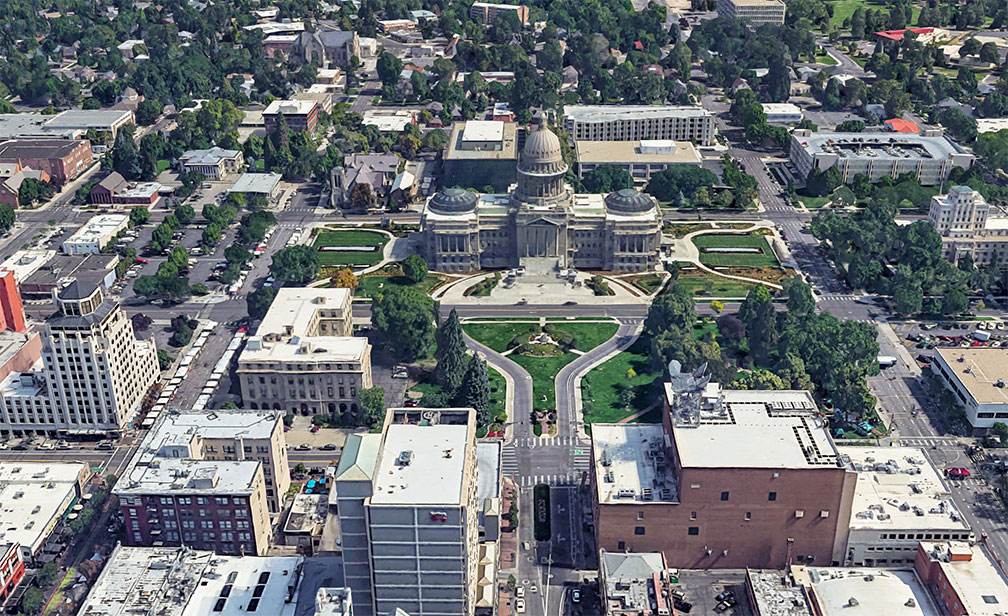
98 226
309 349
979 370
207 157
462 141
488 465
290 107
757 2
875 591
436 470
183 582
179 428
630 464
769 108
898 488
32 494
775 594
605 113
263 183
991 125
629 581
307 513
648 151
978 583
88 118
296 307
38 148
756 429
878 145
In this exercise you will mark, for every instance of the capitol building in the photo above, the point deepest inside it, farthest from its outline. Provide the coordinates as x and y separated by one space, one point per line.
541 223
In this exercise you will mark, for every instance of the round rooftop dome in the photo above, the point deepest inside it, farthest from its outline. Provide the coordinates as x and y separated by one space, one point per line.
453 201
542 146
629 201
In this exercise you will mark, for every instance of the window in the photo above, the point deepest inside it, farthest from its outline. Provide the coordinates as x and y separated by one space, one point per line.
748 515
693 530
772 497
724 496
619 546
692 515
640 515
638 530
990 599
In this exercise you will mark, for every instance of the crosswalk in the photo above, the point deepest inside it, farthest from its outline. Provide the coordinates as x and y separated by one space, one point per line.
569 479
509 461
547 441
839 297
929 441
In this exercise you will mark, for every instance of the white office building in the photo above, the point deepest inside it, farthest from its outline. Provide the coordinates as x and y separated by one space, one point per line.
782 113
93 373
899 500
756 12
969 226
34 498
929 157
95 234
639 122
978 376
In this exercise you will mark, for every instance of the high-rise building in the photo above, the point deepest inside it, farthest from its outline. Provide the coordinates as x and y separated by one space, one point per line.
93 373
639 122
408 513
487 12
11 308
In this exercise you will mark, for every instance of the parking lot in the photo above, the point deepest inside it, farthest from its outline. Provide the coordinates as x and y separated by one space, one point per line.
921 339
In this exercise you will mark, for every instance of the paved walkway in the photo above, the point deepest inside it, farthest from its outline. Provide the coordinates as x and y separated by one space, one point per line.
686 251
518 399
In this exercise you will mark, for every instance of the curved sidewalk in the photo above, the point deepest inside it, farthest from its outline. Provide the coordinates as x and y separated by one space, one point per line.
518 398
691 254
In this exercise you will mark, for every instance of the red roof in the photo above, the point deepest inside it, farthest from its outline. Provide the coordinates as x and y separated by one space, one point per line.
898 125
638 46
897 35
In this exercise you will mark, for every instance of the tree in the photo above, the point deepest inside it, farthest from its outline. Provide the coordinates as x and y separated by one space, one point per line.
450 354
730 327
434 140
372 404
148 111
970 47
259 301
475 390
361 197
182 331
297 264
6 217
758 315
184 213
33 191
850 126
606 178
125 155
800 299
32 601
758 379
1000 431
954 303
405 316
389 67
989 53
672 310
344 278
164 359
415 268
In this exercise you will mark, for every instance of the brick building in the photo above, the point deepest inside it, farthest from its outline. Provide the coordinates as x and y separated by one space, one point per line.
299 115
12 569
730 479
61 159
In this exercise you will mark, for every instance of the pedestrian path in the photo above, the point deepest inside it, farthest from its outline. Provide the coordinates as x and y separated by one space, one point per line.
509 461
570 479
839 297
929 441
551 441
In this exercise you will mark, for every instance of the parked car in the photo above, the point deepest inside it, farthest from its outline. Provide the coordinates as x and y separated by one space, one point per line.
520 606
328 447
303 447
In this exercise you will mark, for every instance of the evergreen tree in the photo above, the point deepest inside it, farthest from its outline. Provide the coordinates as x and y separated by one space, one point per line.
475 390
126 156
450 354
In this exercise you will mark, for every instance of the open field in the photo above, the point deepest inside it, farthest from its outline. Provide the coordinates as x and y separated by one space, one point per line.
603 388
497 335
758 255
543 371
702 284
350 238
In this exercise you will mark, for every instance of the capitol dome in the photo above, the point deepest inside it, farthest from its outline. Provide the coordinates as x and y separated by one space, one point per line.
453 201
542 154
629 201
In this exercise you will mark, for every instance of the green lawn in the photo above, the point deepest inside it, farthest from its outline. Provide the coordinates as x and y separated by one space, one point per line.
601 389
370 285
497 335
764 258
648 283
350 238
813 202
714 286
826 60
589 335
162 164
543 371
843 9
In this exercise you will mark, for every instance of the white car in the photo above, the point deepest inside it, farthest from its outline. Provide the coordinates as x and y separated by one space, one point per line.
520 606
520 592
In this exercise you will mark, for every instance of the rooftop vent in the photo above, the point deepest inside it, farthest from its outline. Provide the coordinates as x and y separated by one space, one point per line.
1000 383
404 458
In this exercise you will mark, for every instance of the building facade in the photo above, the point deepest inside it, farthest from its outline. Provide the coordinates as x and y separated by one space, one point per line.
928 157
304 358
170 494
639 122
756 12
640 159
481 153
12 569
61 159
962 219
486 12
408 498
37 497
978 378
96 233
300 115
730 479
215 163
541 221
93 373
330 48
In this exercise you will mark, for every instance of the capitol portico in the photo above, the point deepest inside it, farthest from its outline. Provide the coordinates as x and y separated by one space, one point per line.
541 222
